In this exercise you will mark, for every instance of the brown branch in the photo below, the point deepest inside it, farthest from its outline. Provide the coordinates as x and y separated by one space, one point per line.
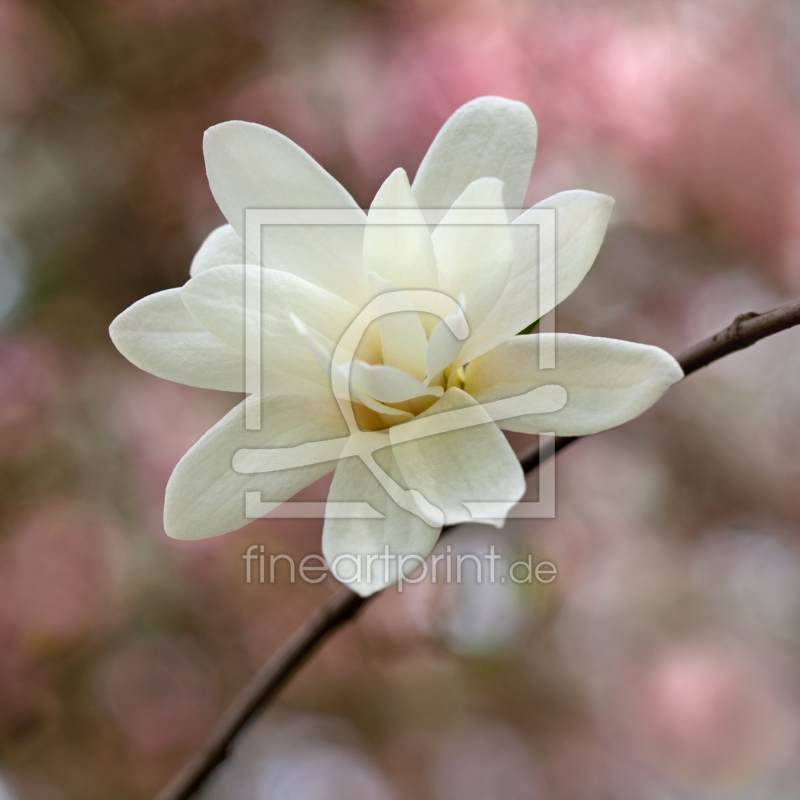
268 681
744 331
344 605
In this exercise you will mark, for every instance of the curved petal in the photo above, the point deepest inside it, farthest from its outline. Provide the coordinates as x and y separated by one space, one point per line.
216 298
472 464
160 336
608 381
206 497
444 345
403 339
581 221
389 385
474 249
356 544
489 137
221 246
253 167
397 244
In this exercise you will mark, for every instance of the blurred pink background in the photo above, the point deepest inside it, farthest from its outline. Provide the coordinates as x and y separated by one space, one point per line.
663 662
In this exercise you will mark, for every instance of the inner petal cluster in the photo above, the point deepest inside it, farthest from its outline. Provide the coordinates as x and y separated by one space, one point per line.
407 358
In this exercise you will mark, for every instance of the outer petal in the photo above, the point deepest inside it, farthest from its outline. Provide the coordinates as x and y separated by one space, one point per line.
159 335
250 166
404 533
581 222
471 464
216 298
608 381
221 246
206 497
397 244
474 249
488 137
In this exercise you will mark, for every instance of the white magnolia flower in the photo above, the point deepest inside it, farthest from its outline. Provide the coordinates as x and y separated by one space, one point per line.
315 282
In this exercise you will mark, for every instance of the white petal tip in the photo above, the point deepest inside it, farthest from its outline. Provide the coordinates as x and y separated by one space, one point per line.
213 134
458 327
432 515
488 513
398 173
365 589
114 330
221 127
677 373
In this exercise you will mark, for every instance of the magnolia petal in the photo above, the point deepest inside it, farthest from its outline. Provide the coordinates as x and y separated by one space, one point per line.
216 298
581 222
387 384
221 246
474 249
403 339
444 345
159 335
206 497
393 414
253 167
608 381
349 544
397 244
489 137
472 464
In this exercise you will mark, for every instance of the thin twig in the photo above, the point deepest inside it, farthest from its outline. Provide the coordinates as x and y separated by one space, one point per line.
344 605
744 331
338 609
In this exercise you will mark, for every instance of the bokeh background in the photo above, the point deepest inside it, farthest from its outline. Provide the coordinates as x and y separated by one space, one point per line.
663 662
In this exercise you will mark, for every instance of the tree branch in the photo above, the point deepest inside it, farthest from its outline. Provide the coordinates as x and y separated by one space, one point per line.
744 331
338 609
344 605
